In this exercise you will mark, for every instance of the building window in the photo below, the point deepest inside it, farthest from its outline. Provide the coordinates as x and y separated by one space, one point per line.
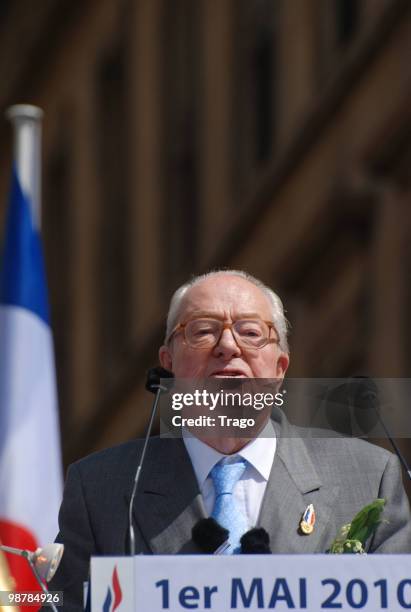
346 18
264 85
57 239
337 24
113 273
254 101
181 112
5 9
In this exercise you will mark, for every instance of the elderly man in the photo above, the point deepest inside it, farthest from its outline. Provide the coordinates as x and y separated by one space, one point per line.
273 478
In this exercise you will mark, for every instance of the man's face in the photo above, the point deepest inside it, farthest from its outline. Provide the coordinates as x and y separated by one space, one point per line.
228 298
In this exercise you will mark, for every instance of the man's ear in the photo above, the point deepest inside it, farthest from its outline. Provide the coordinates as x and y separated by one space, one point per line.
165 358
282 365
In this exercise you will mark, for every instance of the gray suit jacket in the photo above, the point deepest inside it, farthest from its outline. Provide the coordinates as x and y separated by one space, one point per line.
337 475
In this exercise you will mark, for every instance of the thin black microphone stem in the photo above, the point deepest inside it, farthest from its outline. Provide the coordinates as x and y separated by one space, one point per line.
371 397
394 444
132 538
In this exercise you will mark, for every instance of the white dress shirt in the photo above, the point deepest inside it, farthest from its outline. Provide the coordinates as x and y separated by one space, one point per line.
249 490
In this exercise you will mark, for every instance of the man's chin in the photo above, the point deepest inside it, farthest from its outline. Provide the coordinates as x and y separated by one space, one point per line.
225 445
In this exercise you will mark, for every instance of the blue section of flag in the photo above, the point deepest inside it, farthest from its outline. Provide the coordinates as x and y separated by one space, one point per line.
22 276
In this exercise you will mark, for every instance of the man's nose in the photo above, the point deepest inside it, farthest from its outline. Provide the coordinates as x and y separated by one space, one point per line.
227 346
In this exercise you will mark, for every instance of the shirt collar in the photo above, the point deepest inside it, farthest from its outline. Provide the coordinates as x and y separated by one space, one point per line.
259 452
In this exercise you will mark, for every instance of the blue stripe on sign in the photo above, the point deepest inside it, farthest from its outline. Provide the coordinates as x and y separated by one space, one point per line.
22 276
107 601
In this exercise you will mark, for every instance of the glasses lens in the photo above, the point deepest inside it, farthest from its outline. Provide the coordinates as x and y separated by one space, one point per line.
202 333
251 332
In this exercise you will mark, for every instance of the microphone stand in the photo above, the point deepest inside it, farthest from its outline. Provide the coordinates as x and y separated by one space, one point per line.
371 397
157 388
393 443
31 559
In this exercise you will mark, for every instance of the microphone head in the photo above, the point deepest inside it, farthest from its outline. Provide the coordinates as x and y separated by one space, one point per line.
351 408
209 535
366 403
154 376
256 541
47 559
365 391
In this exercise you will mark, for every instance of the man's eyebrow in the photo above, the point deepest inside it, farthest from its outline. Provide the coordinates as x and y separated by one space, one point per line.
207 314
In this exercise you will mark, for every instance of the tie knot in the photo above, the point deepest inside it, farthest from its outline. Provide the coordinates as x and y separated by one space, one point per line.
226 475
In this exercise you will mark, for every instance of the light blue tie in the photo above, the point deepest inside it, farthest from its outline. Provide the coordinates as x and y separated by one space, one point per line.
226 511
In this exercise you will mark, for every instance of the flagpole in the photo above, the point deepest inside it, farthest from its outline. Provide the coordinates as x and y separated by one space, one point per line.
27 123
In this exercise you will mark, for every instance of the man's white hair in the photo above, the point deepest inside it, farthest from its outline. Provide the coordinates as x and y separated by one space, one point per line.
277 309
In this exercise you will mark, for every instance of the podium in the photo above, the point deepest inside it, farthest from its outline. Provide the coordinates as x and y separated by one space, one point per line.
251 582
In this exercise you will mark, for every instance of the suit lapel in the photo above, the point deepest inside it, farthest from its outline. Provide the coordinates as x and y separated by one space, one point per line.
169 502
294 483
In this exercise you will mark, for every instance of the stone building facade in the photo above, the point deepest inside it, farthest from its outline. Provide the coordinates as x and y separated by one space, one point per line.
272 135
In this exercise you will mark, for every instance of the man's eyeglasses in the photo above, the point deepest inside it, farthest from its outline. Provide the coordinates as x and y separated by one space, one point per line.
206 333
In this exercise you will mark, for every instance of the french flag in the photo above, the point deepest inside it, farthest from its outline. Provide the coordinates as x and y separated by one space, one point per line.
30 456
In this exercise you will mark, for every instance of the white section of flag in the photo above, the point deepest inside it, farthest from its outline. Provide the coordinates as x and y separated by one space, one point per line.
30 466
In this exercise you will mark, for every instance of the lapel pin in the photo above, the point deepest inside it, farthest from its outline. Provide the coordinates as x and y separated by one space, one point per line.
308 520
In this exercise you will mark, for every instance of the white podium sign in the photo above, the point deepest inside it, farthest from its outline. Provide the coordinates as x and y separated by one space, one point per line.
251 582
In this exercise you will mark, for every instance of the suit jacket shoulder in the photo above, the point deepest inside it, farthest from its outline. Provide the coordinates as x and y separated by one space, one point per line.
93 517
339 476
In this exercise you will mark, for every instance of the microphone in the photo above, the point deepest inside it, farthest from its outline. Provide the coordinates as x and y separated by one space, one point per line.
210 536
361 393
43 562
256 541
353 397
367 395
154 376
153 384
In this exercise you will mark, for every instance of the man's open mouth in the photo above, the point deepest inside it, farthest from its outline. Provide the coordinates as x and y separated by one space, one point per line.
229 374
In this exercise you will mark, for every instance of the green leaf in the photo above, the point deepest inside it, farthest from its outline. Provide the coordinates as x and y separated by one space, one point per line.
352 537
366 521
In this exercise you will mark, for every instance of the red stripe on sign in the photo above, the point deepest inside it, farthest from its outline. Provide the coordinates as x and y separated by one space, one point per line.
118 595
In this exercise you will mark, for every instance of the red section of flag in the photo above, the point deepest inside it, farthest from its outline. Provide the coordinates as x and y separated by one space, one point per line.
15 535
118 595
